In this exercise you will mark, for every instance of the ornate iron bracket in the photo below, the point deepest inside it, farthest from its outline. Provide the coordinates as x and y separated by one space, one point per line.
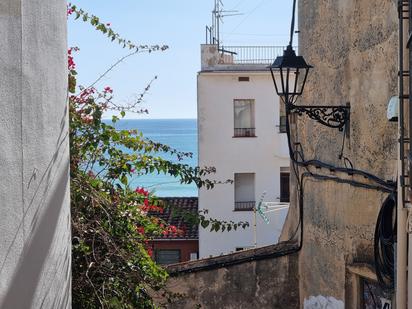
330 116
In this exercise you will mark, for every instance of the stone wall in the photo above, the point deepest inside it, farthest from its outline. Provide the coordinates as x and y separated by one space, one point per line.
34 156
352 45
261 278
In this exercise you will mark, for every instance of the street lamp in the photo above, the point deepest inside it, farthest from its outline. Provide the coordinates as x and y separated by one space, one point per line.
293 71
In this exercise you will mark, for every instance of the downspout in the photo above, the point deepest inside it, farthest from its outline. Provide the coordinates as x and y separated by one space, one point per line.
407 210
402 238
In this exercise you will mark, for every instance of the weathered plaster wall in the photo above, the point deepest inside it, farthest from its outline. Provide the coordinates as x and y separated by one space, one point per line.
264 283
353 47
34 156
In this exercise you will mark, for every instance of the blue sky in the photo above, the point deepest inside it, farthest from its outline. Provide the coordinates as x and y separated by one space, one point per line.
179 24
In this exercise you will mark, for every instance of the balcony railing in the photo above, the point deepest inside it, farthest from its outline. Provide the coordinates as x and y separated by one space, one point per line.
245 206
264 55
244 132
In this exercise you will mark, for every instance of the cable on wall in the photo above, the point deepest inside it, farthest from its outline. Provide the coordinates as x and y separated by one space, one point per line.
385 237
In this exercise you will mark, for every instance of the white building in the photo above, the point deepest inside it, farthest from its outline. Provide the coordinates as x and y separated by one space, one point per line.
239 120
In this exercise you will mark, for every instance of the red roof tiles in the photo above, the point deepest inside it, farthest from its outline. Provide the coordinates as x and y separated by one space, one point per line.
173 214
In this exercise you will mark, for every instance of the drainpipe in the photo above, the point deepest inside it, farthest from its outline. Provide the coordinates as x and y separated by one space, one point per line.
407 211
401 253
402 237
409 272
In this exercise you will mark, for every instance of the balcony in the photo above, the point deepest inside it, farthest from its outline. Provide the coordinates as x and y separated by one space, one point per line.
238 58
244 132
250 55
245 206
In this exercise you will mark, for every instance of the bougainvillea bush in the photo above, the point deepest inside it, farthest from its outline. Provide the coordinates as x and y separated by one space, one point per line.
113 222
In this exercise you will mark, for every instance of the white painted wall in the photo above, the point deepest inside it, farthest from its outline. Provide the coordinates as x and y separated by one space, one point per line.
263 155
35 237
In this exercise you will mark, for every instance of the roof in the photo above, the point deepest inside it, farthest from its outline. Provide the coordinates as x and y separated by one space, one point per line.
174 206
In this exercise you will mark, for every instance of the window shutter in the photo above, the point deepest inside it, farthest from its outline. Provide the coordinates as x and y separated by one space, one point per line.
284 187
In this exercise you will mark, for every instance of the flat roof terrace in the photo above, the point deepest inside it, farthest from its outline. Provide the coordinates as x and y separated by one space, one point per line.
238 58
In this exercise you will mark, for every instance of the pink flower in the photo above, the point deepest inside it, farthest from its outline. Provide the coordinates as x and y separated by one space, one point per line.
108 90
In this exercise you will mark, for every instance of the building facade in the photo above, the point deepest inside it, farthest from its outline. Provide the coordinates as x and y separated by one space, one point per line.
182 245
240 134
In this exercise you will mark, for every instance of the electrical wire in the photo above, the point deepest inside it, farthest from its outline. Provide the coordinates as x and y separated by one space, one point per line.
319 164
247 16
385 237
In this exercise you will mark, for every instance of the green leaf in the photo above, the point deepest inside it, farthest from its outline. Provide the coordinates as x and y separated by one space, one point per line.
124 180
205 223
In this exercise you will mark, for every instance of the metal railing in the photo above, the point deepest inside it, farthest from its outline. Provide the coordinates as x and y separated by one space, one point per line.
244 132
245 206
251 54
282 124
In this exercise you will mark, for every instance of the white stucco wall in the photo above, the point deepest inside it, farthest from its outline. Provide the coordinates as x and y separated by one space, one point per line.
263 155
34 156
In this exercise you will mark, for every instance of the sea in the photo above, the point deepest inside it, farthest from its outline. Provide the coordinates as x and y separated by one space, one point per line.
180 134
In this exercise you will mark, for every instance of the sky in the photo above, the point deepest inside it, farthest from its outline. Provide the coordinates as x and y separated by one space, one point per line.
180 24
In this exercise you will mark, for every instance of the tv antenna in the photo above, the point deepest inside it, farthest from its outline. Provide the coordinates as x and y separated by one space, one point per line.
218 13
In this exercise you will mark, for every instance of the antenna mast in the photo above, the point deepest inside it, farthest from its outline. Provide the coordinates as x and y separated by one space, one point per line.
218 13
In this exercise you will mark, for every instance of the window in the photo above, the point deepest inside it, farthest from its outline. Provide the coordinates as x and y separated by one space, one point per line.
243 79
193 256
244 118
164 257
282 117
282 124
244 192
284 184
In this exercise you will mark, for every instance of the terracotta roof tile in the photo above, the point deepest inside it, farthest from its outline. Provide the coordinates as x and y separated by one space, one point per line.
174 205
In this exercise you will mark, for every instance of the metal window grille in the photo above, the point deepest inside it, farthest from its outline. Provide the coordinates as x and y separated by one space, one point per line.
245 132
164 257
245 206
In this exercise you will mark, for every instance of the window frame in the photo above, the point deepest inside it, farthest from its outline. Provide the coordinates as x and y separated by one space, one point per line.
242 132
245 205
282 187
168 250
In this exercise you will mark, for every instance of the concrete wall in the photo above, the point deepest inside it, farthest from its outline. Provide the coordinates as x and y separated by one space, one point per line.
260 281
263 155
353 47
34 156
